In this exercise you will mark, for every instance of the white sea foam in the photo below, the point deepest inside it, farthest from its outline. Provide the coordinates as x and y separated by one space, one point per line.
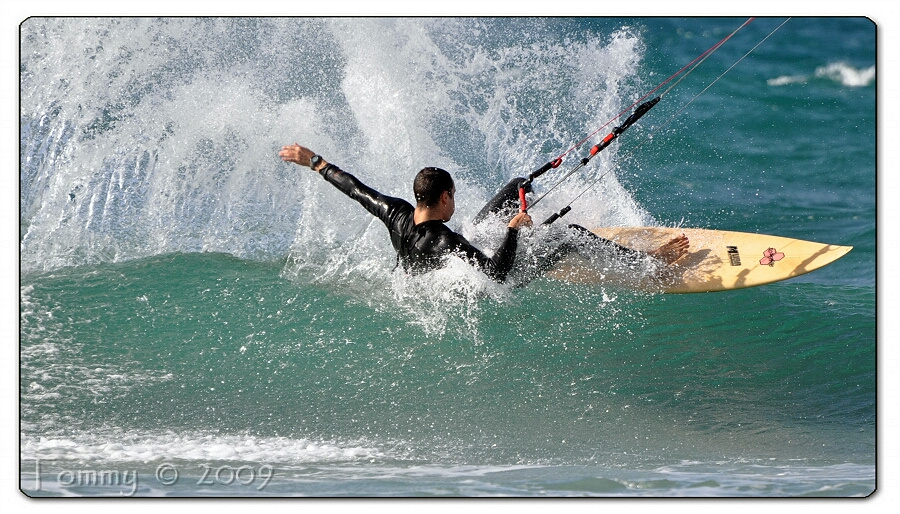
116 446
847 75
839 72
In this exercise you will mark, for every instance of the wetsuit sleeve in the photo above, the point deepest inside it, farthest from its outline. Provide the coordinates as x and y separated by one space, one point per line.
498 266
379 205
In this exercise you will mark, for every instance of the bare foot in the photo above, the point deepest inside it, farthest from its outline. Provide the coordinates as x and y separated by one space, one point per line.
670 252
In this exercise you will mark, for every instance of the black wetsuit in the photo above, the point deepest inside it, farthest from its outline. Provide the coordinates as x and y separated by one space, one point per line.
425 246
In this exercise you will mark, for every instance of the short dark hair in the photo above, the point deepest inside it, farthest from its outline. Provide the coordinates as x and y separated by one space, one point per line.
430 184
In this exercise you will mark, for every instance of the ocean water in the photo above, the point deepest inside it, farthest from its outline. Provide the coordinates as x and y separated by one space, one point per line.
198 318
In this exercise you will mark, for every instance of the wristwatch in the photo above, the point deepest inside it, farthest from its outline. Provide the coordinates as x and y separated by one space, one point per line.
315 161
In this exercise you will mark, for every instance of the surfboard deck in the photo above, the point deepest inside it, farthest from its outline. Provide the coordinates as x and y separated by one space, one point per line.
718 260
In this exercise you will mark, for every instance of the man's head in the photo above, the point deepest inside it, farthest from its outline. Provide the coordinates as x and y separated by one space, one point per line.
434 190
430 184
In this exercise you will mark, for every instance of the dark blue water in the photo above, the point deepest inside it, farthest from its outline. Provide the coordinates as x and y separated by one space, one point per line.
191 304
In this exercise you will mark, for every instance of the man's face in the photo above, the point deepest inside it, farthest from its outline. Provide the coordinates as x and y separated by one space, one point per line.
448 203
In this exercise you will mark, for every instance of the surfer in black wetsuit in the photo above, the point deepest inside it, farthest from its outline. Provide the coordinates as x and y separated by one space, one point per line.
423 241
418 234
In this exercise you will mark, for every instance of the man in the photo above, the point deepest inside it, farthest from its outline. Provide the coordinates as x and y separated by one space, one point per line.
418 234
423 241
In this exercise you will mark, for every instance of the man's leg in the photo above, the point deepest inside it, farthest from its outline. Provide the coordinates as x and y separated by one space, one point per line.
589 245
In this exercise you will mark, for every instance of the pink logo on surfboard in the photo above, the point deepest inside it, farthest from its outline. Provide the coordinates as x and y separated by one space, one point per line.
770 256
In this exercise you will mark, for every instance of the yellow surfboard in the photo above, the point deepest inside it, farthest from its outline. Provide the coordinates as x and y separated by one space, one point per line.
717 260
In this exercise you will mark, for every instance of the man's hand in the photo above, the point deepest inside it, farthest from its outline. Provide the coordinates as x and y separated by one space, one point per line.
296 154
521 220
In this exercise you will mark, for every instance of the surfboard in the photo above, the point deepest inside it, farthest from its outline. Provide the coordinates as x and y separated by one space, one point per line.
718 260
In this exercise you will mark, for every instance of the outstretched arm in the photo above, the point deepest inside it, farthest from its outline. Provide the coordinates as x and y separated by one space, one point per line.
379 205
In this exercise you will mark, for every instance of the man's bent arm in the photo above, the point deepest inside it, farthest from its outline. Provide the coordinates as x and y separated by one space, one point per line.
498 266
